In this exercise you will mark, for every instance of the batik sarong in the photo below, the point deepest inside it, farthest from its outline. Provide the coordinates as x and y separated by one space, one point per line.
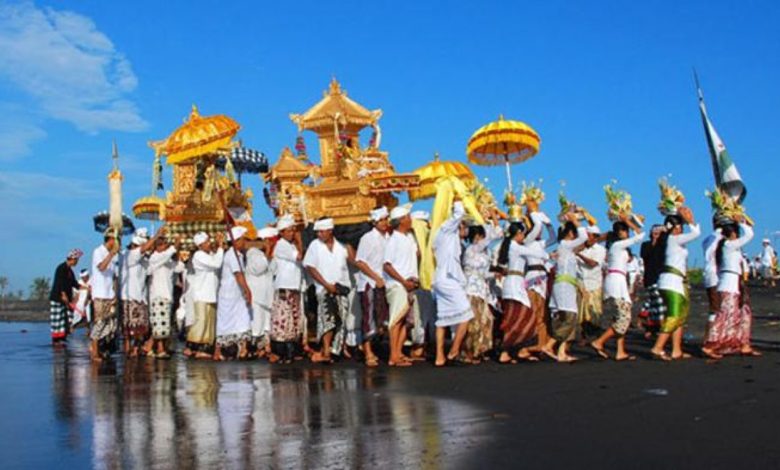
136 319
286 322
373 301
331 311
105 323
518 324
619 313
479 336
729 333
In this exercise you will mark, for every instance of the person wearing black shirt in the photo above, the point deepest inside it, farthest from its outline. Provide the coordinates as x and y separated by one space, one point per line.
61 296
653 307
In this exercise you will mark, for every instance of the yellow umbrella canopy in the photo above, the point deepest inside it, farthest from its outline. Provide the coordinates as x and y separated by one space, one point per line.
149 208
198 136
433 171
503 142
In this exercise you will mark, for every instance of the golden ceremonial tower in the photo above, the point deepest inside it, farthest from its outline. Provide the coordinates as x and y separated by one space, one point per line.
350 180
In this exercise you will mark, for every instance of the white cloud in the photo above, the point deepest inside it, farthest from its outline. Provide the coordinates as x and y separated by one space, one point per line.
68 67
19 186
16 137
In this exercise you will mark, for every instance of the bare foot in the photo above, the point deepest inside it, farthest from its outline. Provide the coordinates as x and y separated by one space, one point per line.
711 354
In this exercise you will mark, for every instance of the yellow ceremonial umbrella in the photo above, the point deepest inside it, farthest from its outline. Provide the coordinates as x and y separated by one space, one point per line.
503 142
198 136
435 170
149 208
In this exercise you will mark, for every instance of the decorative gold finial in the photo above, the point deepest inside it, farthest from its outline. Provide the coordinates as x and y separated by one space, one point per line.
500 117
335 86
436 156
194 114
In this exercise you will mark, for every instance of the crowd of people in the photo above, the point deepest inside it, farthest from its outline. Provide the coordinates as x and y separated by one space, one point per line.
507 291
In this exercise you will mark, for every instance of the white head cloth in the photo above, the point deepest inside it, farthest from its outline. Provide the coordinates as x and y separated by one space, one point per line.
323 224
594 229
237 232
421 215
267 232
379 214
400 211
200 238
285 221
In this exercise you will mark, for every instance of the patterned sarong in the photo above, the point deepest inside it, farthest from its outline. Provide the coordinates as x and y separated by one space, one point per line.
518 323
730 331
286 322
160 318
479 338
136 319
105 324
58 320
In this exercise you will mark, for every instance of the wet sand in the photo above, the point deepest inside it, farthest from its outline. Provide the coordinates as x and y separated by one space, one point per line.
59 410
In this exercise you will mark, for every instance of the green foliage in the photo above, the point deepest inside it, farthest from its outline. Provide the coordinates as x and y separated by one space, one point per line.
40 288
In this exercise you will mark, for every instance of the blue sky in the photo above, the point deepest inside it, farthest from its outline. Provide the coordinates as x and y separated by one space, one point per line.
607 85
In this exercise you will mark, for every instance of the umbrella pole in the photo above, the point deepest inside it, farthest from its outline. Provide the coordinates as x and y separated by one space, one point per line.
508 173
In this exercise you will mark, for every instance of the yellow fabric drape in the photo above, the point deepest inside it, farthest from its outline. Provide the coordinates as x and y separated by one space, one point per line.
447 188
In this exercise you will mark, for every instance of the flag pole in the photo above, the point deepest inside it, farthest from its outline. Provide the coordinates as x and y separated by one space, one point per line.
706 123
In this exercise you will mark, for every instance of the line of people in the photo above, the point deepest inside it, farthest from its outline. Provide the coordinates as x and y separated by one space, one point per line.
510 292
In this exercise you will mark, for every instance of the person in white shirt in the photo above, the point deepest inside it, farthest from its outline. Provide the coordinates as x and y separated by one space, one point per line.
401 280
370 282
673 283
710 272
135 306
234 301
768 262
162 264
206 264
617 300
260 278
326 262
536 272
101 282
730 332
453 309
287 323
82 309
518 322
590 272
563 301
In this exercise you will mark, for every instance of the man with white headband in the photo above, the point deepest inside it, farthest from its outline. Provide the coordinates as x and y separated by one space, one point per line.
768 262
206 263
401 280
326 262
286 312
260 278
135 307
234 328
162 264
371 283
590 271
101 281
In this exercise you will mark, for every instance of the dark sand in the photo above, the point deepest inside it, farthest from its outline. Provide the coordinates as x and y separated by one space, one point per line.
59 410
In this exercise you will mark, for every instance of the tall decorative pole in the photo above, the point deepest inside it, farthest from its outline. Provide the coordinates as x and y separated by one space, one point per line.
115 195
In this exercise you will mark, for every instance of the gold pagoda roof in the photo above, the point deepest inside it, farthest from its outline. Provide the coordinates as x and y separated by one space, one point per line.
335 104
196 137
288 166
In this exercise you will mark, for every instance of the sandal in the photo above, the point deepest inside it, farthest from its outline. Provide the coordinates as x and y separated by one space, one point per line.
401 363
600 351
709 353
661 356
751 352
682 356
625 358
372 362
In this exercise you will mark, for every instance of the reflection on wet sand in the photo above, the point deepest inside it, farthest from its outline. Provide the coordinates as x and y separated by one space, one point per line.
154 414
